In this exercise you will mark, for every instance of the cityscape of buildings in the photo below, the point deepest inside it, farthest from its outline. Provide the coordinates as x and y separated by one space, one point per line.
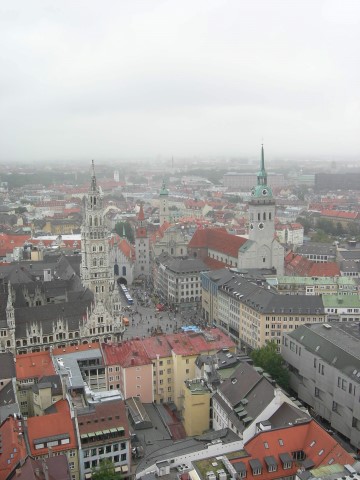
130 311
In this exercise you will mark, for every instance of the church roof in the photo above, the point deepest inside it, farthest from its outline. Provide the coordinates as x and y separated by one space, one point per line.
217 239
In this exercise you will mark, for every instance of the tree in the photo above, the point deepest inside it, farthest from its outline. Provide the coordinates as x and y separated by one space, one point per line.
122 227
267 358
105 471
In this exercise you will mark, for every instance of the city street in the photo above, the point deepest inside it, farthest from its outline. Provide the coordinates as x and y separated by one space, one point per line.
145 320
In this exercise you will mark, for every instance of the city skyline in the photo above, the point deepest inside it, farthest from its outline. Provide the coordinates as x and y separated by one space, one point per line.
159 79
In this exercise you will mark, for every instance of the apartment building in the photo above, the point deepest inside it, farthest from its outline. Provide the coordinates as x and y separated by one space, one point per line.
104 434
129 369
177 281
55 434
253 315
324 362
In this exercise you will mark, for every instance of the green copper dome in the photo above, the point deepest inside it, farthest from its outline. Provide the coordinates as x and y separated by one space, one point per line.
164 190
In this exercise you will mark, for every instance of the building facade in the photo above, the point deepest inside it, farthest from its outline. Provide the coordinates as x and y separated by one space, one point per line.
324 364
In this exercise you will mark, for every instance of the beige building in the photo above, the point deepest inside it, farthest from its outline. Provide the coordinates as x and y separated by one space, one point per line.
253 315
173 357
196 412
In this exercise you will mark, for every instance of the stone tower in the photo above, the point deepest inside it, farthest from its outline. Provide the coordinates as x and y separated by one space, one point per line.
262 250
95 268
164 204
262 208
142 246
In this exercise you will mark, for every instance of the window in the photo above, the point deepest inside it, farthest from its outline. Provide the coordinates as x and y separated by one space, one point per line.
334 407
317 392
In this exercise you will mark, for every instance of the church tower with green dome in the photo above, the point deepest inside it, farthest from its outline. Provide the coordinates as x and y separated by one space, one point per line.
262 208
164 204
262 250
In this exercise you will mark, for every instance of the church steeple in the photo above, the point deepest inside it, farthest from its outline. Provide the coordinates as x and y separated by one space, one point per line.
10 311
262 175
93 187
164 204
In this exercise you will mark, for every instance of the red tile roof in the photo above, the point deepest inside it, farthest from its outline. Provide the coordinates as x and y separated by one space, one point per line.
308 437
75 348
107 415
13 447
9 242
217 239
157 345
130 353
189 343
34 365
214 264
301 266
52 424
340 214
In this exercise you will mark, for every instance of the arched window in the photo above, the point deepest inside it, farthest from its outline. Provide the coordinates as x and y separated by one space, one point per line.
124 270
96 221
116 269
94 262
264 216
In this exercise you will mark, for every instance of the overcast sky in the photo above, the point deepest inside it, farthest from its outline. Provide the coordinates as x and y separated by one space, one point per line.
112 79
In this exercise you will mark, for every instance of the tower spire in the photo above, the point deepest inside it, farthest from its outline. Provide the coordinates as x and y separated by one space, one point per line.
93 178
262 175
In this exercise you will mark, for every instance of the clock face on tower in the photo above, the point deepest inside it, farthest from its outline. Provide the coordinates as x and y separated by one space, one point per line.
264 192
261 226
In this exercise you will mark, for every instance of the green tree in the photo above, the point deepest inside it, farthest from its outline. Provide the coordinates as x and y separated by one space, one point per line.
122 227
105 471
268 359
306 223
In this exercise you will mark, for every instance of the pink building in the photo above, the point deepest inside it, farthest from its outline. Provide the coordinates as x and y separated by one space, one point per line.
129 369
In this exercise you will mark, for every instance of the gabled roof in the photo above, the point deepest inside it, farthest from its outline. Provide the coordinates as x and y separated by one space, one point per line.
13 448
217 239
57 468
130 353
44 428
318 446
337 344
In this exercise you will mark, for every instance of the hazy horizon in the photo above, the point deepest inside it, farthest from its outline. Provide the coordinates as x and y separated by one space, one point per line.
153 79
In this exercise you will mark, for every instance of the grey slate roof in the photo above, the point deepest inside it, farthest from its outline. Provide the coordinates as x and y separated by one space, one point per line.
338 345
316 249
27 278
266 300
7 366
51 381
246 388
182 264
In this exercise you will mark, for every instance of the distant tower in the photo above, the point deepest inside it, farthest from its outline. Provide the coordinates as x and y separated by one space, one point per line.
10 320
262 208
164 204
116 176
10 311
104 321
262 250
95 269
142 246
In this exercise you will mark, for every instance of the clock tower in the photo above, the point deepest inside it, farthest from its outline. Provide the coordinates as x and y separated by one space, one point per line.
262 208
262 250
